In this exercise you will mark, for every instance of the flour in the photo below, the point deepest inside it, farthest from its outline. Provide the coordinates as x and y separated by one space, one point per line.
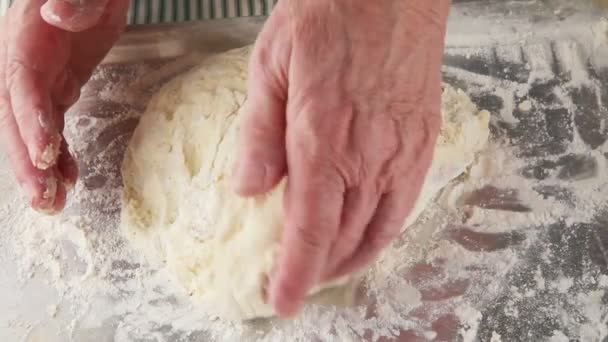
49 15
516 214
496 337
472 317
559 336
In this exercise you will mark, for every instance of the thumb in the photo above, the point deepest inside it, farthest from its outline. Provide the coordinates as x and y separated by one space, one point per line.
74 15
261 162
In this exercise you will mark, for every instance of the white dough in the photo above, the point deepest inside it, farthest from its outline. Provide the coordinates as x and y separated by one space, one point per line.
178 205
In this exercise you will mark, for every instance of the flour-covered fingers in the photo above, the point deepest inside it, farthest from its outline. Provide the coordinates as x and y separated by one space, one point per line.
39 185
30 51
34 113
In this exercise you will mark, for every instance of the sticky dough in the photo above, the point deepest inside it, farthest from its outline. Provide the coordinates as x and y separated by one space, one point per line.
178 205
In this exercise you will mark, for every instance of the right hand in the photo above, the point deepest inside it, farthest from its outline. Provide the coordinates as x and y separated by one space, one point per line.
344 99
42 68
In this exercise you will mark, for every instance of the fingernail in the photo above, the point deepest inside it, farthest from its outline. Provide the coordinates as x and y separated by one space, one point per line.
50 189
45 204
48 14
70 13
49 154
47 123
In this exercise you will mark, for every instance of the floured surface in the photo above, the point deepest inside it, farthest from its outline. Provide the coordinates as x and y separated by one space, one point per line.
513 253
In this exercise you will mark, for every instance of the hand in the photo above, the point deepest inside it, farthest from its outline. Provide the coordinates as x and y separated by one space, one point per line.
42 69
344 98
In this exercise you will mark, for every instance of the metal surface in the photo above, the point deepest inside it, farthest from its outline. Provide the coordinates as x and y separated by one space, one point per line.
575 250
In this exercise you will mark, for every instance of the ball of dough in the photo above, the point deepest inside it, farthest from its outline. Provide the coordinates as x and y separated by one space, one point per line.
178 205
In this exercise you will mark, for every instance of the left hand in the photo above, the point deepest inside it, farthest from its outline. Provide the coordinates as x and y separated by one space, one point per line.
42 68
344 98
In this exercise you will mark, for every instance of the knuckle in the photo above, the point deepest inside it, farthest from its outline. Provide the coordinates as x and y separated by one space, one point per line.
314 150
313 24
310 235
350 238
321 167
15 73
434 119
5 107
260 57
430 131
324 139
6 113
20 115
267 68
12 72
256 131
5 119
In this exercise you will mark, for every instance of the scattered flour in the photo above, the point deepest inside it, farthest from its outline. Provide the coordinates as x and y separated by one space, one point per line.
495 337
471 317
559 336
525 106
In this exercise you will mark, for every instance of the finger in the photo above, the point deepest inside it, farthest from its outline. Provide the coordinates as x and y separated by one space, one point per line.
28 90
66 91
384 227
359 207
313 206
33 181
34 114
73 15
39 185
261 163
68 167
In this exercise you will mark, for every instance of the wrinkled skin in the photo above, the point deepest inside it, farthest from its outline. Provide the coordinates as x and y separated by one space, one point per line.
42 69
344 98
